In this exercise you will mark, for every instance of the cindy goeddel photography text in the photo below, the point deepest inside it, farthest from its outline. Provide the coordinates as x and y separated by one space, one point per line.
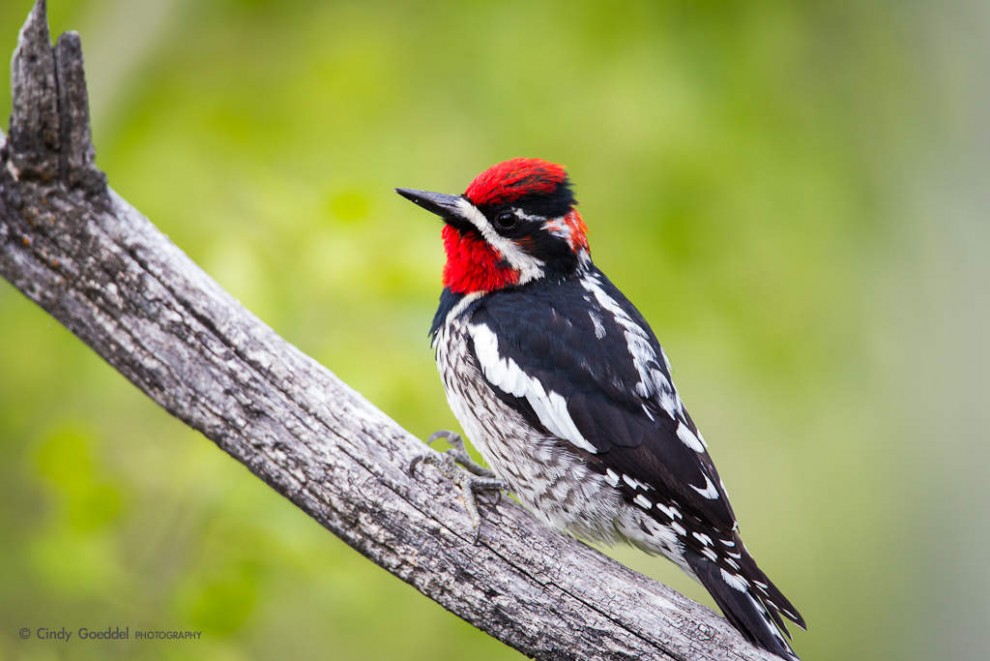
111 633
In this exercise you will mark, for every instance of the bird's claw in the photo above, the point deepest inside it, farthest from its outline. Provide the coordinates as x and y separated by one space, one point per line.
478 480
458 452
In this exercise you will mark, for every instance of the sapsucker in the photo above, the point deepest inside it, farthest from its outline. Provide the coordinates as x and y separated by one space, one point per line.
562 386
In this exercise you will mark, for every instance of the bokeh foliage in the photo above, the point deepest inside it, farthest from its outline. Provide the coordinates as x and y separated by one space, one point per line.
776 185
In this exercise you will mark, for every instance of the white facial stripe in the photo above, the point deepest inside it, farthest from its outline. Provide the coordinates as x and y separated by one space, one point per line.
529 267
503 373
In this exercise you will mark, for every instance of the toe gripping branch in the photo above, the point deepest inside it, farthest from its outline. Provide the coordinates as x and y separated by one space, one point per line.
475 481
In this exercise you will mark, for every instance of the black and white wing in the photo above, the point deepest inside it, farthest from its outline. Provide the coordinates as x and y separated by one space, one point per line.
577 360
580 362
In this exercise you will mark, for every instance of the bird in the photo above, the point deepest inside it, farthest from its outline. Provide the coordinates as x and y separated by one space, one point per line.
562 386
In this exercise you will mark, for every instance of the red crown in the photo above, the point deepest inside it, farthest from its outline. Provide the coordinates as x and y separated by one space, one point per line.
513 179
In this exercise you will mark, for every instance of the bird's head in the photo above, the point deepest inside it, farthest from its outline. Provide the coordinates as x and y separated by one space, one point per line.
515 223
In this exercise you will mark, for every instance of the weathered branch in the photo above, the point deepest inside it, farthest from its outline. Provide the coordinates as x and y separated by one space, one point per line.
97 265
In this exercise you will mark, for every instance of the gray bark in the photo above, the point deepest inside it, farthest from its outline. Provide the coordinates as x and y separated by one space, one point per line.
82 253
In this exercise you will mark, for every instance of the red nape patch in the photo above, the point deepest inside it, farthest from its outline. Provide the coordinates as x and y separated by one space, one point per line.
513 179
579 231
473 265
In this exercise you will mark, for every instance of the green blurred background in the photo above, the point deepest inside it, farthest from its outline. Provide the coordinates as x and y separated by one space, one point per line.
794 195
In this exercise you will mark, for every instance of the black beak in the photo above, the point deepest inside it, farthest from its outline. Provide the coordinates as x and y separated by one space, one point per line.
442 205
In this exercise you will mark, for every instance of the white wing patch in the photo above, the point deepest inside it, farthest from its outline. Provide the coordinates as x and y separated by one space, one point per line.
503 373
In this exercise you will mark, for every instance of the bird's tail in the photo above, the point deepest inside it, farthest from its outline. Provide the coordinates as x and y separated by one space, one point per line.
750 602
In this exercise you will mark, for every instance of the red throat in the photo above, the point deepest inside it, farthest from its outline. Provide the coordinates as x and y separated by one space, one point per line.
473 265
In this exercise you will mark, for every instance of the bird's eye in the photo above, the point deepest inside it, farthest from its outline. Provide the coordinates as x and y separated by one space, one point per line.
505 220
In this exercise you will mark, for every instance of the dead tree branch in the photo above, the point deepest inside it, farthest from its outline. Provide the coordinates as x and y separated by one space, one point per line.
82 253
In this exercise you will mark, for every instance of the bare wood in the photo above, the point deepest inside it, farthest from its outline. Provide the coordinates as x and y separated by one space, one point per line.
82 253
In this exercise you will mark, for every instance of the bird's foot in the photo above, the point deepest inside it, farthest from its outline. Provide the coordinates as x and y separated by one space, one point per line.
476 481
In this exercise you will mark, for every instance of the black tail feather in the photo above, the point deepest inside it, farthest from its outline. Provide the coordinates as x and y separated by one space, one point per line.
748 609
